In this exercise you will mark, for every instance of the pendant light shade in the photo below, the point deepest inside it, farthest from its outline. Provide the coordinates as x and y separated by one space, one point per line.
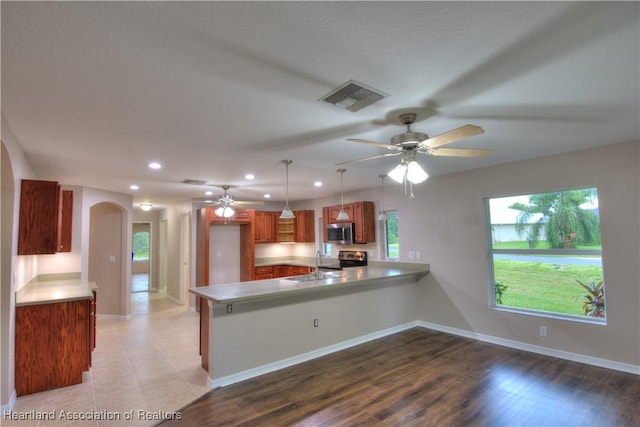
382 216
342 215
286 212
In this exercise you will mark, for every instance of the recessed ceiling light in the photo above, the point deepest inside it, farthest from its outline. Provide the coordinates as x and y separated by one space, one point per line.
133 187
208 193
249 176
267 196
155 165
317 184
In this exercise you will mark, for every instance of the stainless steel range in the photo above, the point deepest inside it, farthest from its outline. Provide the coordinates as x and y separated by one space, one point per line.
352 258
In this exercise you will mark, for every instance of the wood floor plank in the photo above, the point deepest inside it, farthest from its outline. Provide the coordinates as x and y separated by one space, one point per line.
425 378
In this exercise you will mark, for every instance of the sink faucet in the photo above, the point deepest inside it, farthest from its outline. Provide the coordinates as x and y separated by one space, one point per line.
318 262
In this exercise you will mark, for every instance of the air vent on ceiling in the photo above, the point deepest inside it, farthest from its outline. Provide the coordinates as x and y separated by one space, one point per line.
353 96
193 181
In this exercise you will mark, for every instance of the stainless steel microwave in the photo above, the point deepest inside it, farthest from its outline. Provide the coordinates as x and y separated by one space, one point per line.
341 234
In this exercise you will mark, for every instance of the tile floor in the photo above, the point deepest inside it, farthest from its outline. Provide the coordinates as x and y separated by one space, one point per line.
149 363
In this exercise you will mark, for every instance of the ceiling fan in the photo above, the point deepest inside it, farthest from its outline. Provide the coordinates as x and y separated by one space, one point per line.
410 143
226 203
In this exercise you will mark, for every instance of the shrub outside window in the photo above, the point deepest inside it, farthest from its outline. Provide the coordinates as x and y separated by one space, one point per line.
545 254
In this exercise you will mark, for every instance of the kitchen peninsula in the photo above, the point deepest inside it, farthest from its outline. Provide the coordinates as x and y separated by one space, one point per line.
259 326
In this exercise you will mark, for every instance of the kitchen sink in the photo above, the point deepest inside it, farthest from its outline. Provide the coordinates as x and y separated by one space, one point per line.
313 276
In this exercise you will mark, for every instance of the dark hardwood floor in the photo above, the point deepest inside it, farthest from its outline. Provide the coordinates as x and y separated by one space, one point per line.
425 378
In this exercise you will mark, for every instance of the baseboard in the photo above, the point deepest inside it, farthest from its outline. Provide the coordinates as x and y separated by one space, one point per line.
254 372
561 354
7 407
114 316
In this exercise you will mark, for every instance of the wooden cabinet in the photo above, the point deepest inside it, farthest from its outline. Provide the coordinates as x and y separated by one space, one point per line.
361 214
53 345
331 213
304 226
45 218
265 226
264 273
286 230
65 221
281 270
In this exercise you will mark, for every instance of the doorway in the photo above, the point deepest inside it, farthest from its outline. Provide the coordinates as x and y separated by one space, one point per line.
141 257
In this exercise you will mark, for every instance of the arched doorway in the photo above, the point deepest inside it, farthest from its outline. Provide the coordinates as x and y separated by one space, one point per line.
107 258
7 328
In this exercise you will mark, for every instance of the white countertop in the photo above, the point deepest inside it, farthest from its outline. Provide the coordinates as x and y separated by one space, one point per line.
282 287
52 290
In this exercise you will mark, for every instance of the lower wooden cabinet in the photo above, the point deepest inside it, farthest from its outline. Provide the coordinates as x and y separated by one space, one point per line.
53 344
282 270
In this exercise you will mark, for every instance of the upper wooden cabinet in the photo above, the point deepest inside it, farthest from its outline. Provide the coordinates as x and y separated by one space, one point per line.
304 226
45 218
361 214
265 227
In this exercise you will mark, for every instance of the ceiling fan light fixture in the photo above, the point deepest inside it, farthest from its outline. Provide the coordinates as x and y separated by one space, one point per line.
225 211
415 173
286 212
398 173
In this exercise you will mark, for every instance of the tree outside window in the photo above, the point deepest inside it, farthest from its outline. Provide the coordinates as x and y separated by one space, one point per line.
141 240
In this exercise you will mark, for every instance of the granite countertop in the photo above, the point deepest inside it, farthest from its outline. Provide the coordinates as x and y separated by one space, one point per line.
298 261
282 287
53 289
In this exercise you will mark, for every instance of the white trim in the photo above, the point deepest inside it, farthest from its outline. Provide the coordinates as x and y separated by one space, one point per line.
114 316
9 405
270 367
574 357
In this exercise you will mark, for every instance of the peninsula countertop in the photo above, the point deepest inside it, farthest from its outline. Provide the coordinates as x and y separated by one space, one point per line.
53 289
283 287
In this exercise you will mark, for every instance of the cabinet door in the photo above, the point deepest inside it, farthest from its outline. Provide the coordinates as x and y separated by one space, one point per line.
365 224
333 212
65 220
38 224
304 229
265 227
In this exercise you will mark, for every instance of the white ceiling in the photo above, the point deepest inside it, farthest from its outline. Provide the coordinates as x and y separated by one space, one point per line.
95 90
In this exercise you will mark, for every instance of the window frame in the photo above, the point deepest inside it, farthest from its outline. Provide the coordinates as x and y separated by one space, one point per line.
491 297
384 232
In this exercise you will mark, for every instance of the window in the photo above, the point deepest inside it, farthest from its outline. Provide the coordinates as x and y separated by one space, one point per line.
546 254
141 245
392 243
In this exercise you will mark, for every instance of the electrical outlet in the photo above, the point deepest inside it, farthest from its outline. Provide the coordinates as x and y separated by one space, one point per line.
543 331
315 323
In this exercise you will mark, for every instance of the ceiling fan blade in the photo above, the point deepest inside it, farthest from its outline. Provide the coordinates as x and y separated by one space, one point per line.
367 158
453 135
377 144
247 202
459 152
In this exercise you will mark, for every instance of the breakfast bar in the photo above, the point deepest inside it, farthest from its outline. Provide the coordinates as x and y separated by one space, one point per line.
258 326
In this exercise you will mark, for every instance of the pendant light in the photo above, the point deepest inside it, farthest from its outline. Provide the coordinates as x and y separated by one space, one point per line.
382 216
342 215
286 212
